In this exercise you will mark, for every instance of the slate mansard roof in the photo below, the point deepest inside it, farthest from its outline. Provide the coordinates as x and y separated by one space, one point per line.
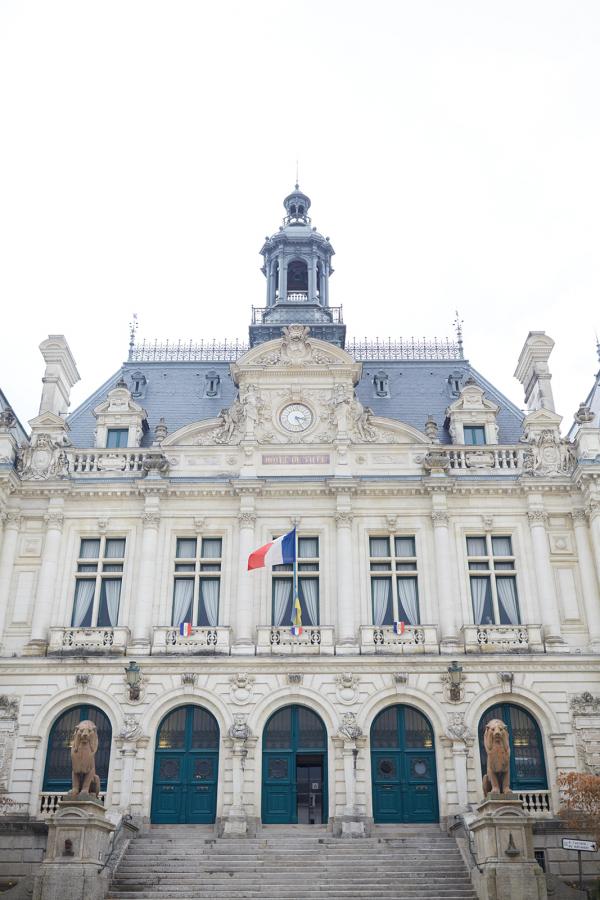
176 391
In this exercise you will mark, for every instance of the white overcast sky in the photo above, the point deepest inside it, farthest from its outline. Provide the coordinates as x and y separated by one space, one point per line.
451 150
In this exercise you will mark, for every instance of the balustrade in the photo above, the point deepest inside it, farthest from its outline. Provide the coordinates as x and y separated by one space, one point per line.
470 459
536 803
503 638
201 640
315 639
88 640
414 639
49 802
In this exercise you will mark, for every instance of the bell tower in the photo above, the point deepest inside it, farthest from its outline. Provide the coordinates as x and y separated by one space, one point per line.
297 267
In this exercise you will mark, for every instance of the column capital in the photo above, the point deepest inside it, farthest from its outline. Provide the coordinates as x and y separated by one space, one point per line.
54 519
246 519
343 518
440 518
579 516
151 518
537 517
11 518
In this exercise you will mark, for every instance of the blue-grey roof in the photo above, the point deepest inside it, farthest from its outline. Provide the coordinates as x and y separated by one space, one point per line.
176 391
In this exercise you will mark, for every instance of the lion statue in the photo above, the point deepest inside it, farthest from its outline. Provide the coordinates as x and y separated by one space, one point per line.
83 764
497 748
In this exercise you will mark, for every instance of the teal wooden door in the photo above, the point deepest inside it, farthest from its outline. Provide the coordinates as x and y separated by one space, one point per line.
404 781
186 767
293 737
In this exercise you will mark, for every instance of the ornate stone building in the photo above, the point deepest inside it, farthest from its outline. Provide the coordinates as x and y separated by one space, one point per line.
448 572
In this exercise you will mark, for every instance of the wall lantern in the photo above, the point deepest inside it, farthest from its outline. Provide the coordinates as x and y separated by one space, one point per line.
455 680
133 677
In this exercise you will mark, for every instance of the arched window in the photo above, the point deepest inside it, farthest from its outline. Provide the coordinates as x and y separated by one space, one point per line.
297 276
57 775
527 766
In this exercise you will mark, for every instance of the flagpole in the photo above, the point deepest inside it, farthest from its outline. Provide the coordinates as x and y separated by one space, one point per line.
295 566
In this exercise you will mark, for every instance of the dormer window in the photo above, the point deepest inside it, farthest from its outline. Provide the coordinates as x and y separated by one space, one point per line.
474 435
455 381
381 384
212 384
138 384
117 437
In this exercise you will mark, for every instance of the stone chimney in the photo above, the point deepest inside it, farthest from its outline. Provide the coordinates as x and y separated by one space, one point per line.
59 377
533 372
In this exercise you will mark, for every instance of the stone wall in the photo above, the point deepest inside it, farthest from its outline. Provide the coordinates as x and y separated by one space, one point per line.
22 847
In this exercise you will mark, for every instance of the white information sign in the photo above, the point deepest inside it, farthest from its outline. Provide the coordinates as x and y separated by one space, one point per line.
572 844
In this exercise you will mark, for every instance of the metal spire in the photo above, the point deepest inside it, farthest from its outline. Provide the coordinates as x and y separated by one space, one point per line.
133 327
458 324
297 179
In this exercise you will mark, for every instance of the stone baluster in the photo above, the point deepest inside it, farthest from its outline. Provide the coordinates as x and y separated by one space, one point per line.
146 579
446 601
346 629
42 615
244 611
545 581
8 552
589 581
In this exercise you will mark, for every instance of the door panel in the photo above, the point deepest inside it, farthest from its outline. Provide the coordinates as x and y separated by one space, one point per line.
279 788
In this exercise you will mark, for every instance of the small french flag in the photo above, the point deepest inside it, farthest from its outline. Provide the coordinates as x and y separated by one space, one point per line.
296 630
185 629
398 627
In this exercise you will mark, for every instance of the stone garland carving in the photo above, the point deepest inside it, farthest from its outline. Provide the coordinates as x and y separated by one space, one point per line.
350 729
548 456
42 460
585 704
585 710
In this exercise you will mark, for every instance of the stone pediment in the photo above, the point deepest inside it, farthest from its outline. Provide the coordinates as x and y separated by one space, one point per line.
295 349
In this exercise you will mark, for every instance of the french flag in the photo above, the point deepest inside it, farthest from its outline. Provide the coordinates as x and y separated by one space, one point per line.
185 629
276 553
398 627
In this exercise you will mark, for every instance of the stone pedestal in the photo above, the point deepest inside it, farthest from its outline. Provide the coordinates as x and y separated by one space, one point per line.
78 841
504 851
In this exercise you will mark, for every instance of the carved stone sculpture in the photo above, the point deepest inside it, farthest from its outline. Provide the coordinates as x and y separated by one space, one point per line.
497 748
240 730
548 455
350 728
83 760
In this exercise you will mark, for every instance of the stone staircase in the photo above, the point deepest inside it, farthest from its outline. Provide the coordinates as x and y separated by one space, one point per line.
292 862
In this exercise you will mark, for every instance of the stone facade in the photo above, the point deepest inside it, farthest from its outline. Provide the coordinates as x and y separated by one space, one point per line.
343 476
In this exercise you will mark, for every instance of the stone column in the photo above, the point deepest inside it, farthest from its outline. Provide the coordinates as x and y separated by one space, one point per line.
446 600
236 823
143 606
243 615
346 628
589 582
350 740
312 280
545 581
128 754
282 279
594 513
8 553
42 615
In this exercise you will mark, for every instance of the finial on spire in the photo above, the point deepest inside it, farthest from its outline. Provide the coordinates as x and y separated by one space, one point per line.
297 185
597 346
133 327
458 324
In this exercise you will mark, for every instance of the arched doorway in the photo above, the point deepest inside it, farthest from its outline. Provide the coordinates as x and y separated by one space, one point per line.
186 766
57 774
403 767
527 766
294 783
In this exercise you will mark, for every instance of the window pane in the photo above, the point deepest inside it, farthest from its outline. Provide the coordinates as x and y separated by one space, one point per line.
481 594
83 603
527 752
508 604
110 594
172 731
211 548
406 567
309 600
278 733
405 546
379 546
183 598
381 567
185 567
208 609
502 546
474 435
311 731
384 733
282 601
205 731
408 601
308 567
381 594
417 730
186 548
308 548
476 546
115 548
90 548
210 567
117 437
504 566
112 567
88 569
478 566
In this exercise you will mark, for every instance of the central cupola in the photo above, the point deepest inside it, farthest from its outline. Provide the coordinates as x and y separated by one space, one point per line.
297 266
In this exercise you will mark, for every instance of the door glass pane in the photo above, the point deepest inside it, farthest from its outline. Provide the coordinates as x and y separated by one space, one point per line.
172 731
417 730
311 731
527 752
278 734
384 733
205 731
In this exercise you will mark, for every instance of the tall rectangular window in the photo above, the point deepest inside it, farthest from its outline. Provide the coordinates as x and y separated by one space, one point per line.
117 437
394 581
493 580
474 435
308 586
197 581
98 582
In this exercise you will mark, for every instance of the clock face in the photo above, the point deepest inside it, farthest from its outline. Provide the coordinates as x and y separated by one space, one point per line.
296 417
